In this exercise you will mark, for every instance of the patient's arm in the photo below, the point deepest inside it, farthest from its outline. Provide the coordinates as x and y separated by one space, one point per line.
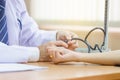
64 55
106 58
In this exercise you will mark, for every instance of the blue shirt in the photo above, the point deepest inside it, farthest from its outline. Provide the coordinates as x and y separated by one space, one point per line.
22 31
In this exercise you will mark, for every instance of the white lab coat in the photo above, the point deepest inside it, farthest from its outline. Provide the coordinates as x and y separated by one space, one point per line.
27 35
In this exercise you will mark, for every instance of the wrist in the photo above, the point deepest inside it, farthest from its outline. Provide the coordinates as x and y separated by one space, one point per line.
33 55
76 57
41 55
44 57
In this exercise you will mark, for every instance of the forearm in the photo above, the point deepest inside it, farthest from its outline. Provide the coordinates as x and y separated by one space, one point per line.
18 53
107 58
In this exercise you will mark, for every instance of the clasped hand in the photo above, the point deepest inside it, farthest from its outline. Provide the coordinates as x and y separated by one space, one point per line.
61 36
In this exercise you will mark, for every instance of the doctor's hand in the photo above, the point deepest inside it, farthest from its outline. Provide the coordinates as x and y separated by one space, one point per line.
67 36
44 56
60 55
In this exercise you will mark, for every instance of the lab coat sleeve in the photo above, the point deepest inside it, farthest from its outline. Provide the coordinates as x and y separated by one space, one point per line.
16 54
31 35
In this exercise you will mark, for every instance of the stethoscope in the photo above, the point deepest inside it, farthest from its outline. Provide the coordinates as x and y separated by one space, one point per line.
104 45
96 46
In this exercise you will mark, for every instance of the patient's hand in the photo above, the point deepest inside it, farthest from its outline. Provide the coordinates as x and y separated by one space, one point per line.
60 54
44 56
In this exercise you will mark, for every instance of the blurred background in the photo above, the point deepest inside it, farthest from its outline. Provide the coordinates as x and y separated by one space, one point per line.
79 16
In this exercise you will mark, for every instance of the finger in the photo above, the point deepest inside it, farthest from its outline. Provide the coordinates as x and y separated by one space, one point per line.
72 47
72 42
52 54
50 49
73 35
58 58
62 58
61 43
66 35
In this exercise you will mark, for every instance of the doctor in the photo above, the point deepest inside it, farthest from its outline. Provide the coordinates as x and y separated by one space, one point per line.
20 38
